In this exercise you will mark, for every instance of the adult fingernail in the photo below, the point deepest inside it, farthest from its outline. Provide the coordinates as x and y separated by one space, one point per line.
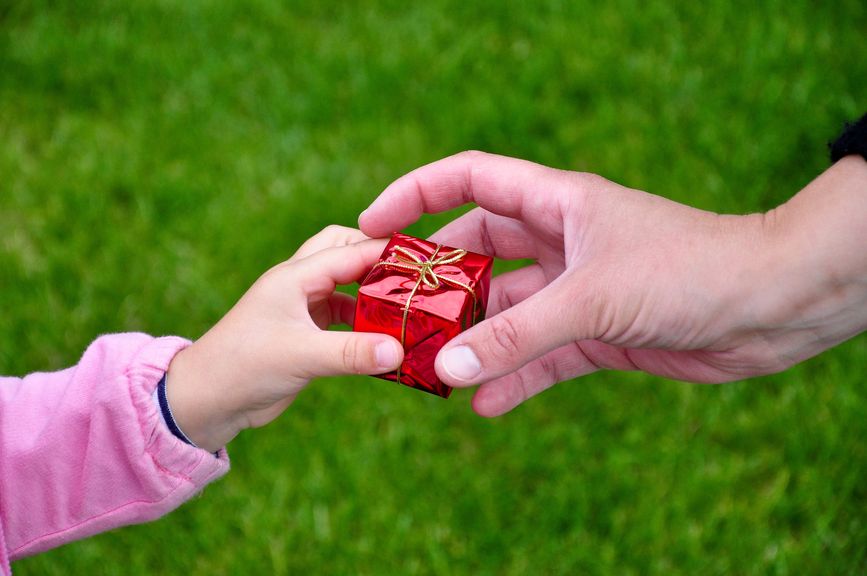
461 363
387 355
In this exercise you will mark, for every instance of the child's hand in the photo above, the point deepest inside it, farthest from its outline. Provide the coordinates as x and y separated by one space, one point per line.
250 366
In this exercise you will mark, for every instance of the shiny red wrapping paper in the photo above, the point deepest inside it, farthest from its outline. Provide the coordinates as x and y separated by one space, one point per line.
447 291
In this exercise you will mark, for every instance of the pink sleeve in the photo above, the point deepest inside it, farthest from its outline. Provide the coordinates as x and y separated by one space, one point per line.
85 450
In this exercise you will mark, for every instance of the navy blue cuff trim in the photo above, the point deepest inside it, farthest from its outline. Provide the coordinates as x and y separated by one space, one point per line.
167 412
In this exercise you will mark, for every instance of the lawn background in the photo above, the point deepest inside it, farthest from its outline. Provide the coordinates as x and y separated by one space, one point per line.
156 157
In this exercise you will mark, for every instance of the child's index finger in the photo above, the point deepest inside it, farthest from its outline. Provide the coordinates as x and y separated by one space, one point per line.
323 270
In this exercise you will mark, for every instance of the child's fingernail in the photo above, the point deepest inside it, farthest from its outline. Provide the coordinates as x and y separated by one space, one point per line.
387 355
461 363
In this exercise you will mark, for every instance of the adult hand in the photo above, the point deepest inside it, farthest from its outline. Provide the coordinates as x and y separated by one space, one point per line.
627 280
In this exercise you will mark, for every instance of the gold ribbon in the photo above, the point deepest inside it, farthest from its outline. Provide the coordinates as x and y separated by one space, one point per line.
411 262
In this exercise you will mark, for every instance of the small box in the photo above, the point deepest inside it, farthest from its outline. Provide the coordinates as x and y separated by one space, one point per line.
424 294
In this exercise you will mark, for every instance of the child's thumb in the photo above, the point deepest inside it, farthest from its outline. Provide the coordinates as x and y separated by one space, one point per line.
335 353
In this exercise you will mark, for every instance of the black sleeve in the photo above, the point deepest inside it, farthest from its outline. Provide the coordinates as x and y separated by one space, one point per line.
853 140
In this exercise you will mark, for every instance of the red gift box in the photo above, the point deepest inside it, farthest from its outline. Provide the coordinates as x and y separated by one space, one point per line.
423 294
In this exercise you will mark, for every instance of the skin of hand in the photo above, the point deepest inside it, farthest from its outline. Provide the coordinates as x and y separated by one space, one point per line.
627 280
250 366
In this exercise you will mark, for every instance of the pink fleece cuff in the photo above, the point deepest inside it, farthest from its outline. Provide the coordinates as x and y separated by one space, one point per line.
194 465
134 469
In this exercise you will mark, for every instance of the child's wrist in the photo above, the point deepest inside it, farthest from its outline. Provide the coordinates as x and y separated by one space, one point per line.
200 404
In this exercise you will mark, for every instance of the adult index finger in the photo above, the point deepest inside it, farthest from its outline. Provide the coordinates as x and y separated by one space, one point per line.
507 186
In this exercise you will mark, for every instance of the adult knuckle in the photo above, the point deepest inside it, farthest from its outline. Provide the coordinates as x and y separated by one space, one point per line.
550 370
584 181
503 300
485 236
523 386
506 342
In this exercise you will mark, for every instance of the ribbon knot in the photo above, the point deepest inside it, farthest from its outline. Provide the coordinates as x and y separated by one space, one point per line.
427 275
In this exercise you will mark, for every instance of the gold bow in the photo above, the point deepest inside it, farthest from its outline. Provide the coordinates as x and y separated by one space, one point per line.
427 275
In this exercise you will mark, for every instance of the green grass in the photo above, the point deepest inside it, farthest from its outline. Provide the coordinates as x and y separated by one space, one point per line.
156 157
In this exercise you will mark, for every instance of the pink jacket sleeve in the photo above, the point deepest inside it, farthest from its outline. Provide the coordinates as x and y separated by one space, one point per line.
85 450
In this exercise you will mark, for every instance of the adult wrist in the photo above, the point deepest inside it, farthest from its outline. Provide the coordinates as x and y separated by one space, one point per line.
815 283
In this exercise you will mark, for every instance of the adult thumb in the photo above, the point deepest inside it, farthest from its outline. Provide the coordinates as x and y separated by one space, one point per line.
336 353
504 343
